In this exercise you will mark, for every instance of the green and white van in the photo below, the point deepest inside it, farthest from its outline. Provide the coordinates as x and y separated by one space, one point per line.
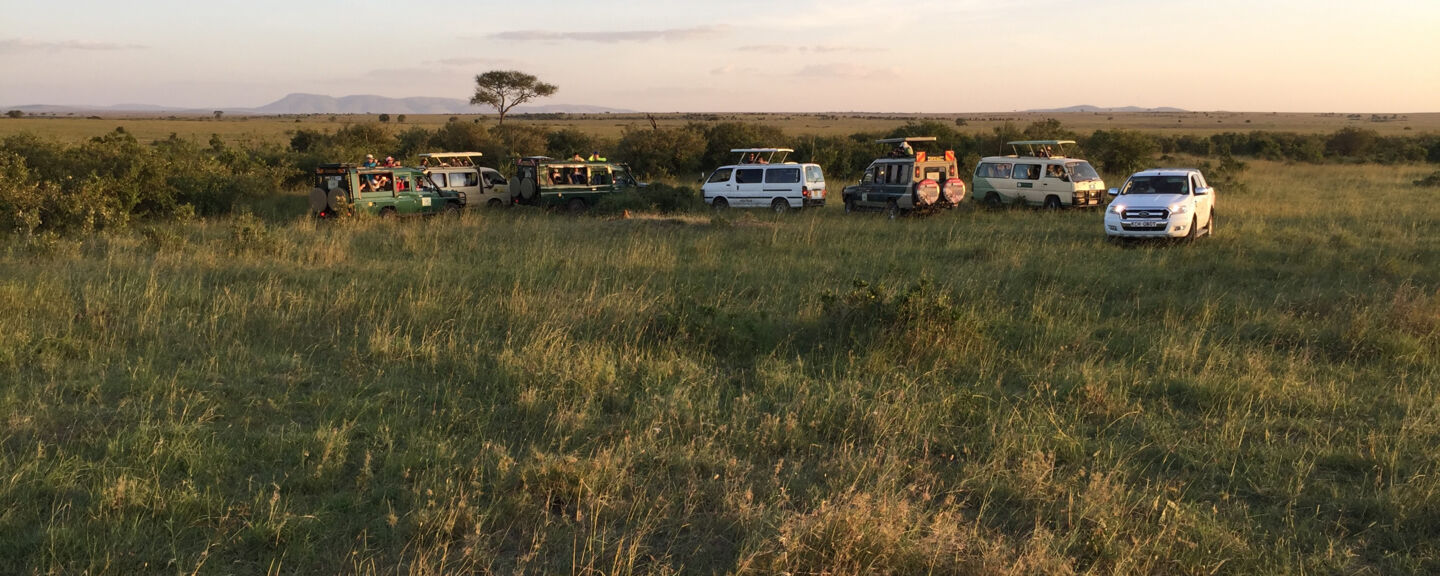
1038 173
462 172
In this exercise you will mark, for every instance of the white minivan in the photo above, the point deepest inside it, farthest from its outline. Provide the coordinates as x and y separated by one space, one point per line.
763 179
462 172
1038 174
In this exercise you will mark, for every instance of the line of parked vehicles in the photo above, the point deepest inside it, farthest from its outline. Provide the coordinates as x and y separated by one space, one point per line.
1155 203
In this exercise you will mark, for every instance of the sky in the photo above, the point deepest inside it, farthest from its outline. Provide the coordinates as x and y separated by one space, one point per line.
909 56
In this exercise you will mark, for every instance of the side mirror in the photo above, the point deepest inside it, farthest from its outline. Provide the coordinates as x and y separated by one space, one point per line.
1114 192
1203 191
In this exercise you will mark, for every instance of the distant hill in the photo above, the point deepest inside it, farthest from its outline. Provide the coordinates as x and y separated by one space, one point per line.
320 104
1089 108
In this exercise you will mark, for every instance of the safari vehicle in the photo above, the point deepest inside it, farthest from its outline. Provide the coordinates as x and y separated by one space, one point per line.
907 180
462 172
1038 174
343 189
762 178
574 184
1162 203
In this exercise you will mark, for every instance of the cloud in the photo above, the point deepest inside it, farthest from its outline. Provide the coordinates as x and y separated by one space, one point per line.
19 45
845 71
816 49
473 62
613 37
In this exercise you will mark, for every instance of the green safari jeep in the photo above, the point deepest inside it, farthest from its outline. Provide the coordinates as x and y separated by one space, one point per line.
574 184
389 191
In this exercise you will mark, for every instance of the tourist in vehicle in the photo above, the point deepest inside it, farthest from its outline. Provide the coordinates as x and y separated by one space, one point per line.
595 156
369 161
390 162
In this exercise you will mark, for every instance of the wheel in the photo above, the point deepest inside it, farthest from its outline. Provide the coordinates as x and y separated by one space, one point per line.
452 209
319 200
1210 226
528 189
720 204
1194 231
1052 202
495 203
993 200
576 205
849 205
388 213
892 210
779 206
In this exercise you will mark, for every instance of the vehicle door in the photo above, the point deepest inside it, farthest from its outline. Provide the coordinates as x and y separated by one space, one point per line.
621 175
408 198
783 182
1204 199
1055 181
495 186
719 185
872 189
1026 177
815 181
897 184
749 187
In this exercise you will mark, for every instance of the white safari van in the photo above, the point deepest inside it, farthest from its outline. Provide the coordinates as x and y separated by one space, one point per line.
461 172
1038 174
763 179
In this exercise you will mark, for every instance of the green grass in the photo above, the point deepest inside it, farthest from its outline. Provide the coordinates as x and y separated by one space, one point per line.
521 392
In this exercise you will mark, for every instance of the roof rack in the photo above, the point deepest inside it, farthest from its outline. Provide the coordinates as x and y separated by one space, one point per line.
1040 148
449 159
762 155
907 139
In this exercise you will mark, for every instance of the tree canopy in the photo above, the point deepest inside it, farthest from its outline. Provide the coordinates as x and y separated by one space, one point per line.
506 89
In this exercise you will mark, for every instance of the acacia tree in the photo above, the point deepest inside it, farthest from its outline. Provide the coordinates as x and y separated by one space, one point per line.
506 89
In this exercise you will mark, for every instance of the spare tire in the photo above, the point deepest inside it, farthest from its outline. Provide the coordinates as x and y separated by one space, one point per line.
319 200
339 202
954 190
528 190
927 192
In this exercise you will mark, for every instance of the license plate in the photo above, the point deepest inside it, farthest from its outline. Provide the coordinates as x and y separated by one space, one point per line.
1145 224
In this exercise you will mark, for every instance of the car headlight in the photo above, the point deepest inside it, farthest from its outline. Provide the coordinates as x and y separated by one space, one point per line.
1116 208
1177 209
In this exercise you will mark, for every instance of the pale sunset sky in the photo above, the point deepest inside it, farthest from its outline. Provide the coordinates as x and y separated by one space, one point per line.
739 55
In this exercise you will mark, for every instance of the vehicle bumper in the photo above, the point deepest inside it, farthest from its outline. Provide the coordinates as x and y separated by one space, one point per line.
1173 227
814 203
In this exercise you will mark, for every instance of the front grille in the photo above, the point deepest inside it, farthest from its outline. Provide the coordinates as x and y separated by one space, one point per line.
1159 213
1156 227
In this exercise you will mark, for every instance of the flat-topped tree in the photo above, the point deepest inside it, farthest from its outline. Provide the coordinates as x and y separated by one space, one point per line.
506 89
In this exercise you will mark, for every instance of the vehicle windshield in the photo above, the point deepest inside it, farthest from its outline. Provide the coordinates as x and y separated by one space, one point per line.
425 183
1081 172
1157 185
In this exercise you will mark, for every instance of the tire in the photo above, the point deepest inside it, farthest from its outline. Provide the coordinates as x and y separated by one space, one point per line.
528 189
319 200
720 204
1194 231
849 205
495 203
576 205
388 213
452 209
892 210
1052 202
993 200
779 206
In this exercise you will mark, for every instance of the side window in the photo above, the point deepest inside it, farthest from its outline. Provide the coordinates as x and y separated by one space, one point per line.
1055 171
1197 181
749 176
599 176
495 178
904 171
1027 171
994 170
403 183
439 179
470 178
721 175
782 176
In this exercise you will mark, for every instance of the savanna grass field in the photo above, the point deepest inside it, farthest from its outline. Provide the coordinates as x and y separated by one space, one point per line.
981 391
